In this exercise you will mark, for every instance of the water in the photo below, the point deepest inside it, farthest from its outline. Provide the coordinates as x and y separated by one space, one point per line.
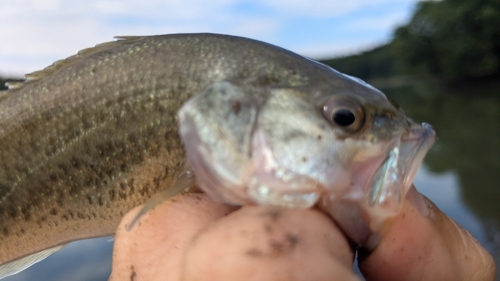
461 174
79 261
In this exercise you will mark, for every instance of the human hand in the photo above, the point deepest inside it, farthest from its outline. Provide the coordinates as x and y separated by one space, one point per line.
190 237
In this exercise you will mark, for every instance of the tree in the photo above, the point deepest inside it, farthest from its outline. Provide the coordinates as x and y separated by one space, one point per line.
452 38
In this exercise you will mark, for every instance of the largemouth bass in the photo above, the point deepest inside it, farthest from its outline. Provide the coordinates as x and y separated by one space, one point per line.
90 137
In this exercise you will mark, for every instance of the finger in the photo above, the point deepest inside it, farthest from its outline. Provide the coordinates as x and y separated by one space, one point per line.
270 243
423 243
154 248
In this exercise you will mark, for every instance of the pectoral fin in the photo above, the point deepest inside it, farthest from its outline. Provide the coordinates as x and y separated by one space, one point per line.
184 183
21 264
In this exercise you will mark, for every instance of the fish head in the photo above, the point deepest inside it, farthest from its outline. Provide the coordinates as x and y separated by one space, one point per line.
342 145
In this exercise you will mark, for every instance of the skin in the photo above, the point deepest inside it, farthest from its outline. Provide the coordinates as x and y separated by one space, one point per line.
193 238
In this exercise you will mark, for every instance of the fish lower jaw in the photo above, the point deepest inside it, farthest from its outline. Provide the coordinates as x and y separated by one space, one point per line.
280 187
265 195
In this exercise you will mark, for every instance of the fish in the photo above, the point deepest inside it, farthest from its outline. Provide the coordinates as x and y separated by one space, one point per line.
142 118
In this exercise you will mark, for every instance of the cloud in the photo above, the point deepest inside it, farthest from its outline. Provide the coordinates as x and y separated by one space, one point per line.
326 8
35 33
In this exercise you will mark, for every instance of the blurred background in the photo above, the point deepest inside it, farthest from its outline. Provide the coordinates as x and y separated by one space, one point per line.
440 60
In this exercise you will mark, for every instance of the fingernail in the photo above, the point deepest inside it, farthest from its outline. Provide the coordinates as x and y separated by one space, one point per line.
418 201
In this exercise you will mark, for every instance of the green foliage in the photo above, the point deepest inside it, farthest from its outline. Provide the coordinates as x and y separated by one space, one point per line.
375 63
2 84
4 79
449 39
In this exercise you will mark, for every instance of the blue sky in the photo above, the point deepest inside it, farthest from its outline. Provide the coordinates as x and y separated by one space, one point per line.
35 33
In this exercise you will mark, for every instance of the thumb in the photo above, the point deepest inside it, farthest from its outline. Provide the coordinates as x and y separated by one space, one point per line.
422 243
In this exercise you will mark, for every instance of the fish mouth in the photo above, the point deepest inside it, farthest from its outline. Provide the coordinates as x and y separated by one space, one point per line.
393 178
379 184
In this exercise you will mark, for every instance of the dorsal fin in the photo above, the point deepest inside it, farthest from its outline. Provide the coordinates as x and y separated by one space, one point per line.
81 55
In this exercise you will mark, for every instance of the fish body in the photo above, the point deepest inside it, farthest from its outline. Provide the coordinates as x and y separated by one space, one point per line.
90 137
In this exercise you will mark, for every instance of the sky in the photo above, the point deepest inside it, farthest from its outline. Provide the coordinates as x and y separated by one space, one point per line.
35 33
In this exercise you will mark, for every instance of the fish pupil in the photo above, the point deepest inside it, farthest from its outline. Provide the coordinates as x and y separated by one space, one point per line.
344 117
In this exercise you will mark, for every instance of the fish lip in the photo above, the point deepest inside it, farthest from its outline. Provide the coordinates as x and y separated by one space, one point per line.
423 136
379 184
421 133
393 178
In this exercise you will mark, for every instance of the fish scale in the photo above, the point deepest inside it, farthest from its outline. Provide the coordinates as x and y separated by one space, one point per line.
90 137
131 121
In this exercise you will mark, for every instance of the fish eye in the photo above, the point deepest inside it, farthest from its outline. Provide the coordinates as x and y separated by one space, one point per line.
344 113
344 117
